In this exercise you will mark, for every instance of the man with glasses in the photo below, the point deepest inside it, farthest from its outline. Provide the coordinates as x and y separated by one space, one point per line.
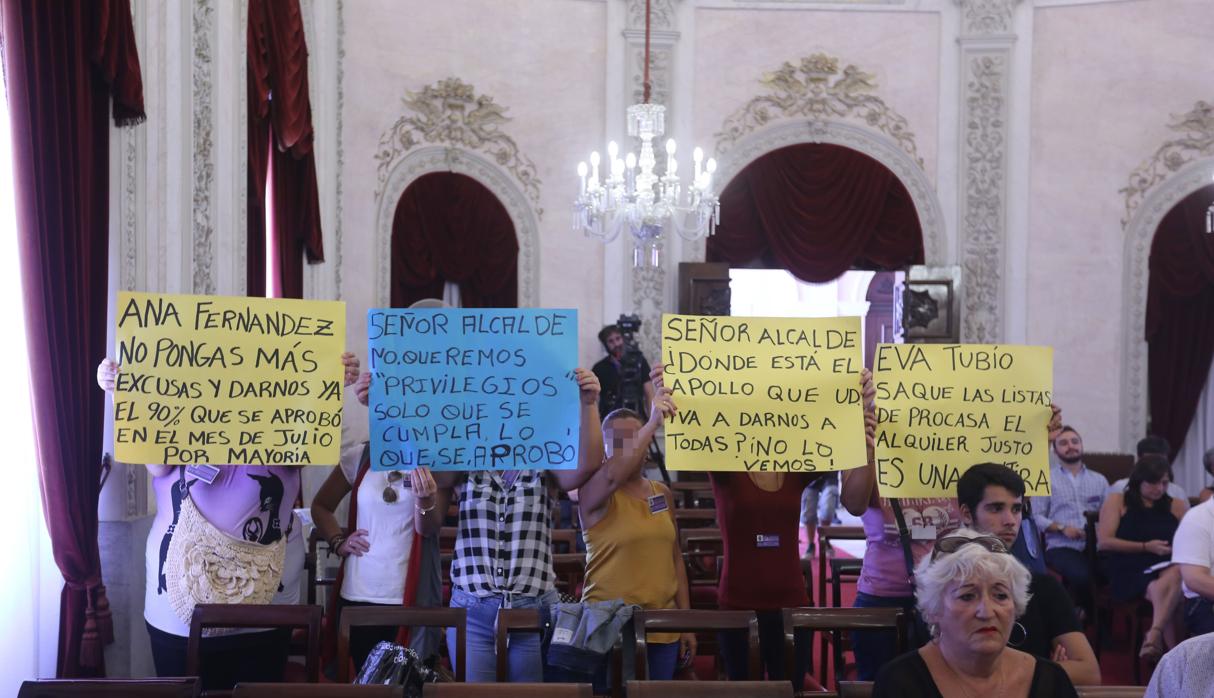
991 500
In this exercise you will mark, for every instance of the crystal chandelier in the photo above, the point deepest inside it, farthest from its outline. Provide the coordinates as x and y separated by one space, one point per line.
632 196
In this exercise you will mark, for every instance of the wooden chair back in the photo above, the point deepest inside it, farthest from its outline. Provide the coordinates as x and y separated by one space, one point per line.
709 689
825 535
695 620
508 690
564 540
836 621
519 620
255 616
1111 691
1114 466
855 689
315 690
401 616
168 687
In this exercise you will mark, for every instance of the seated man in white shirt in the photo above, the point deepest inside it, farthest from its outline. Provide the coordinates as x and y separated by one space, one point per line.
1193 550
1159 445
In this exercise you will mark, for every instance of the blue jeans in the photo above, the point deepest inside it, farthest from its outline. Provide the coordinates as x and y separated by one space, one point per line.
525 662
873 648
663 658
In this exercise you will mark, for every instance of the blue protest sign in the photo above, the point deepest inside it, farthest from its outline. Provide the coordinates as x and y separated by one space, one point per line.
473 389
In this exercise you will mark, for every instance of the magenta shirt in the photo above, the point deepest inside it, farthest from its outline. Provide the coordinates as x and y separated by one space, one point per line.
884 572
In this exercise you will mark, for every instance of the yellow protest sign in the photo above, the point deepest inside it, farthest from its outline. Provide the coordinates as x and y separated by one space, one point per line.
944 407
763 394
226 380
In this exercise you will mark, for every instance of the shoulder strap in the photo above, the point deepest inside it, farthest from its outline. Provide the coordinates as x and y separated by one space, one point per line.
904 537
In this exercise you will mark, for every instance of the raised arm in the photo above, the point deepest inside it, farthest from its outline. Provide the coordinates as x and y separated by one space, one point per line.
859 489
623 463
590 451
107 379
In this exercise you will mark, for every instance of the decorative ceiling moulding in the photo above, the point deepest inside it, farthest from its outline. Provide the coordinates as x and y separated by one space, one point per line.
441 158
825 105
204 248
450 113
987 17
662 14
1179 167
817 90
1194 140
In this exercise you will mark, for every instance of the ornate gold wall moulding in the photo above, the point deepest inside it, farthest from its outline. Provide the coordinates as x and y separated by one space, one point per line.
817 90
449 112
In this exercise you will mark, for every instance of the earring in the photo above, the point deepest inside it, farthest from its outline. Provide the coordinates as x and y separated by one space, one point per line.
1024 635
933 629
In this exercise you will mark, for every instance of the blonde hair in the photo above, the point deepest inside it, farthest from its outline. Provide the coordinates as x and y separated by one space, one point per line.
968 563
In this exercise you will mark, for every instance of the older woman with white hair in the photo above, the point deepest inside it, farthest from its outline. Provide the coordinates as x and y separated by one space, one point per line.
970 590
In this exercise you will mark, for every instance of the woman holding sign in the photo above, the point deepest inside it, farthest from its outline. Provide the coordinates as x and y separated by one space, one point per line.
221 535
503 550
628 525
384 556
759 515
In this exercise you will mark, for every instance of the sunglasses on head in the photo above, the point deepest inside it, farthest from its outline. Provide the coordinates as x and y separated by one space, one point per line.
951 544
390 495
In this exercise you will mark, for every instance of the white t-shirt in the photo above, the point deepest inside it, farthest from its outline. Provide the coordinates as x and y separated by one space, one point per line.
378 575
1175 491
1193 543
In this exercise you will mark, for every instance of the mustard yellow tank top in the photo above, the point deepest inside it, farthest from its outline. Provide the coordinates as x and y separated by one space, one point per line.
630 556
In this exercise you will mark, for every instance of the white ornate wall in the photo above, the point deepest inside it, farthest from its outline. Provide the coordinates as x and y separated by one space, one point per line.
1019 122
1109 80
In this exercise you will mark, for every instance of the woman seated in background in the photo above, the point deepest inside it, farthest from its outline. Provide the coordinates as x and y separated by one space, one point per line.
1134 533
632 541
970 591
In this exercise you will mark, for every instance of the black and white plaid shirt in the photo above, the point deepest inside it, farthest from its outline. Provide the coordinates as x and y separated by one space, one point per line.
504 545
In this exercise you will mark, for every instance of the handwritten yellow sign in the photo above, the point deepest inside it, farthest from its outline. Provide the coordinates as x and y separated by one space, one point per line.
764 394
944 407
226 380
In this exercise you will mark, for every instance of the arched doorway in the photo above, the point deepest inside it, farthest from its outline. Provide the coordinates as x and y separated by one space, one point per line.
448 228
817 210
1179 330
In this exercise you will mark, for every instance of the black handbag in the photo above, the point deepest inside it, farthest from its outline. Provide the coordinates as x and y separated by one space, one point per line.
392 665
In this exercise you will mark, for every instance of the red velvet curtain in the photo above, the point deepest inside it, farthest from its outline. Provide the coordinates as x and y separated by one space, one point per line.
817 210
1180 316
63 62
280 138
449 227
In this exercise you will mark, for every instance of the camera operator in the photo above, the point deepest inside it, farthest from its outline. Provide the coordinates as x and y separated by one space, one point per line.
623 370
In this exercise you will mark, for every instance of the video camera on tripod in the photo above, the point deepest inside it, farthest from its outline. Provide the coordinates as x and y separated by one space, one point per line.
632 371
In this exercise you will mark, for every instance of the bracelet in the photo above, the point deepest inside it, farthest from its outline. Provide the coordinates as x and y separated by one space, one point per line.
426 510
335 542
